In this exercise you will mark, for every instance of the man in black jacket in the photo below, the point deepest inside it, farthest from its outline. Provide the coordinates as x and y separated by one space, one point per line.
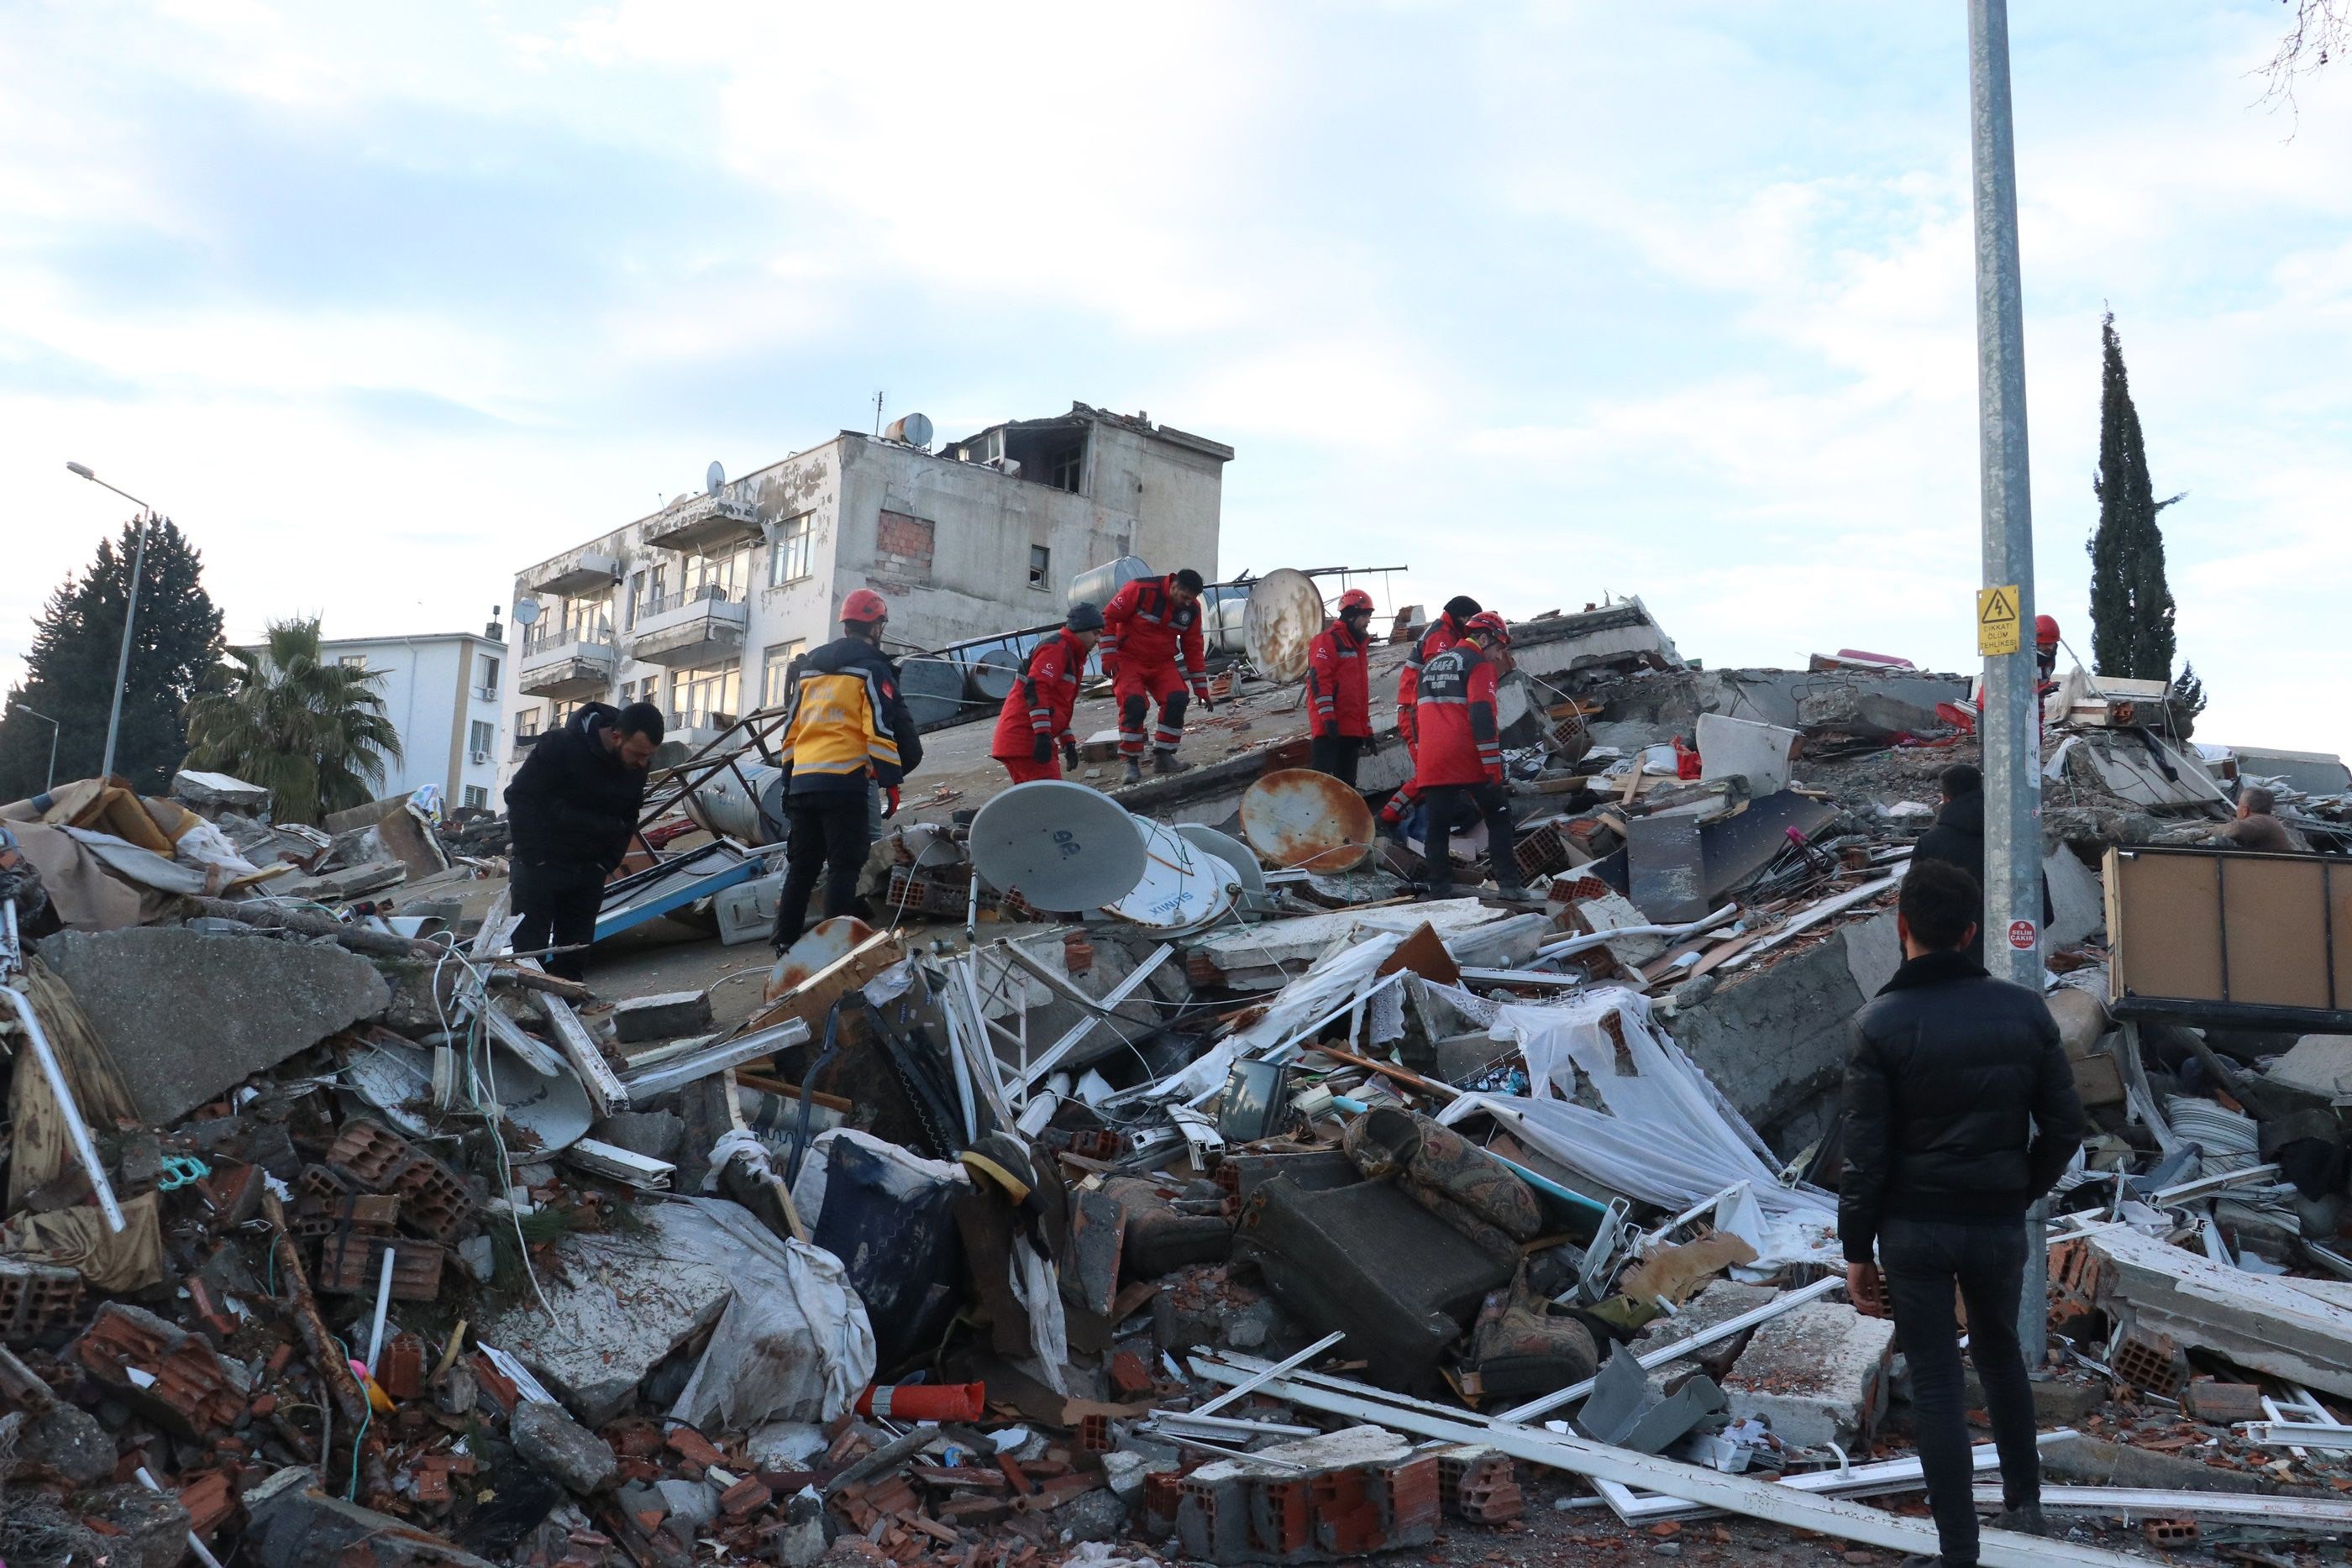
1957 839
572 808
1960 1112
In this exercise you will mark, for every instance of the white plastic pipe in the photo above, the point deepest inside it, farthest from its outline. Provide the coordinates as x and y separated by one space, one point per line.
383 1307
84 1149
1594 939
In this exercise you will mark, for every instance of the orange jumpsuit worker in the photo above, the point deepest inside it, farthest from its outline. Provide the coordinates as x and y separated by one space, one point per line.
1148 625
1037 712
1441 634
1339 690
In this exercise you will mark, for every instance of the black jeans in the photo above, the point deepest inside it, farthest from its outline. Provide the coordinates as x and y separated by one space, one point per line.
1336 754
827 833
1451 806
559 904
1923 1261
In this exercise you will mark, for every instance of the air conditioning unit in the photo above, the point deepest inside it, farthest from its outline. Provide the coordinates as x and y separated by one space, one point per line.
479 755
488 693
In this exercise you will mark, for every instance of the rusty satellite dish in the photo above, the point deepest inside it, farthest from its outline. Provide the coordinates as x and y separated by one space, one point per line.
1284 615
1297 817
1065 846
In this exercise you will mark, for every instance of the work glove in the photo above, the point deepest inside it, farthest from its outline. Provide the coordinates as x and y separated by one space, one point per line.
1041 749
1200 696
1111 666
891 811
1069 750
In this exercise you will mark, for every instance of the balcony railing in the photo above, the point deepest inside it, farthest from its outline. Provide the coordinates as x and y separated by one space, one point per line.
709 594
547 635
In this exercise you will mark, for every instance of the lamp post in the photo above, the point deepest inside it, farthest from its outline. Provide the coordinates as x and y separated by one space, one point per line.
130 615
44 718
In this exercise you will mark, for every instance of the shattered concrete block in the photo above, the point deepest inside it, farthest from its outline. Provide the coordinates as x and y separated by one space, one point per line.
653 1134
1615 912
68 1439
664 1017
692 1505
1343 1495
1866 714
205 793
1818 1373
1123 1473
1719 1303
182 1013
149 1529
293 1524
162 1369
552 1441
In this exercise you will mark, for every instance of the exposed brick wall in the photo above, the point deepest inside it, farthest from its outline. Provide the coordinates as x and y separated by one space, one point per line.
902 547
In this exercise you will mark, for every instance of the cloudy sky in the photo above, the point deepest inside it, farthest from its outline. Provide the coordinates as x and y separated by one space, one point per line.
384 302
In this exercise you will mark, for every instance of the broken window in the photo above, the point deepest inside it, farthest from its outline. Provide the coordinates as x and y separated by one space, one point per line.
1041 568
788 558
1052 454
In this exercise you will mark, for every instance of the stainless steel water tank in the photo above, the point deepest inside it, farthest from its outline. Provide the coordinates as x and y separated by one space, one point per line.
720 806
933 688
1096 585
993 672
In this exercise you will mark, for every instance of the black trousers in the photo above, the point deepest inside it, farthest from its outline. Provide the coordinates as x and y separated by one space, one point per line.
559 906
1336 754
828 834
1452 806
1923 1261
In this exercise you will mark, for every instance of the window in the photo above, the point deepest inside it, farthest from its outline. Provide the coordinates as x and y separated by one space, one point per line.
528 721
560 714
648 689
1041 568
707 699
715 577
776 669
351 660
478 798
645 590
788 557
490 673
482 736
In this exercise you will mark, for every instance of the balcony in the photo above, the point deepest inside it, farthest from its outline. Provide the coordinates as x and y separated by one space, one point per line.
704 525
566 662
590 571
700 626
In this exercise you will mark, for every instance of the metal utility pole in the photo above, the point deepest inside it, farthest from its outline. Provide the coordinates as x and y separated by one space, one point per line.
54 731
130 614
2011 718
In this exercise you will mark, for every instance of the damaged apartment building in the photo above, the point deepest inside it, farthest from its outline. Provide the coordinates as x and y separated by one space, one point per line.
701 607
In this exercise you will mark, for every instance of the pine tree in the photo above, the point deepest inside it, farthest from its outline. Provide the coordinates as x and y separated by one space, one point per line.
2188 700
2131 605
69 672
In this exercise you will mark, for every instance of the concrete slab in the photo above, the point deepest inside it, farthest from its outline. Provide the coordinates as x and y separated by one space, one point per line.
2320 1063
1718 1303
1817 1372
1743 748
667 1015
1774 1039
2078 900
188 1014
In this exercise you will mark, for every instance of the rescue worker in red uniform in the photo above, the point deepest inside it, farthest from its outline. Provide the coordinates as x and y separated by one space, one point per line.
2045 646
1036 713
1458 770
1149 625
1441 634
1339 692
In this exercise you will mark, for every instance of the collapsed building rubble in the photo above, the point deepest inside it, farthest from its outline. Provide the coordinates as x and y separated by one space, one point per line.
1221 1201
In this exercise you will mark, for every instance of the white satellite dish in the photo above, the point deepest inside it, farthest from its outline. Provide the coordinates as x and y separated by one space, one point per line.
1065 846
526 612
1239 858
713 478
1183 886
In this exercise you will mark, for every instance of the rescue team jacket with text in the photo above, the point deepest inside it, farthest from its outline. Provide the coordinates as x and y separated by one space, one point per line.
1338 683
1442 635
1040 701
1460 741
1144 630
845 721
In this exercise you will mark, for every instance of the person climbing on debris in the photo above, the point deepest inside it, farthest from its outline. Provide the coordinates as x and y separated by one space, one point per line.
1441 634
1961 1114
1339 690
570 810
846 731
1151 624
1036 713
1458 770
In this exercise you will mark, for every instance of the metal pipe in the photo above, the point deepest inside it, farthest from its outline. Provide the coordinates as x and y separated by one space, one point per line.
20 707
84 1149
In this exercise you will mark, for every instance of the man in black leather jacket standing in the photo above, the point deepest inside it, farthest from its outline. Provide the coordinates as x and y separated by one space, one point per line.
1961 1114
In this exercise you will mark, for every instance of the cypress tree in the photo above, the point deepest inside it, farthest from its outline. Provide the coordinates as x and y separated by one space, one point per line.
2131 605
69 672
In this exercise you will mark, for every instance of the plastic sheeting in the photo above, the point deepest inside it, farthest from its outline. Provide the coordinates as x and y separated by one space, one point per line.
793 1342
1039 1290
1640 1119
909 1171
1340 975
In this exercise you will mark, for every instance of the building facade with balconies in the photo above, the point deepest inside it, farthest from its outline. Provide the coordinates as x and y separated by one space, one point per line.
700 608
446 693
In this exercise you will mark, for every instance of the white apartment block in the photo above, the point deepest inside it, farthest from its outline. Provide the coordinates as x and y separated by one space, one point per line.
700 607
445 692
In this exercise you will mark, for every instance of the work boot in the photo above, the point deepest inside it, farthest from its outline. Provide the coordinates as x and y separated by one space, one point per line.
1431 892
1134 772
1165 762
1526 1347
1511 892
2026 1521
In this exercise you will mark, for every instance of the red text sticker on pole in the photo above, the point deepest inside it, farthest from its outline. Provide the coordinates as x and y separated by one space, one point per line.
2022 936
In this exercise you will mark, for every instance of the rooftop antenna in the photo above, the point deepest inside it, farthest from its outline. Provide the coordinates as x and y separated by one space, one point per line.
878 413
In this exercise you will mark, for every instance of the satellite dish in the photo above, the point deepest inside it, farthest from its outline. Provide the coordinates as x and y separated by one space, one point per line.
1183 886
1297 817
526 612
713 478
1239 858
1065 846
1284 615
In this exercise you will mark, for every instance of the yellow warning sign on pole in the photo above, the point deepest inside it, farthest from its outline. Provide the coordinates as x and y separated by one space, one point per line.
1996 624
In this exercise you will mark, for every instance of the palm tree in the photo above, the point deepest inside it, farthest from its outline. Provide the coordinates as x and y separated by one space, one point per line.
312 732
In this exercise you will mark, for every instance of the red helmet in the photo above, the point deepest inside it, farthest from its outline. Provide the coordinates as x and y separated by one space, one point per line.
1355 599
1487 621
864 607
2045 631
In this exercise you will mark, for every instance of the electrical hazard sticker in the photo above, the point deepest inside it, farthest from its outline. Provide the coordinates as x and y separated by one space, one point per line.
2022 935
1998 627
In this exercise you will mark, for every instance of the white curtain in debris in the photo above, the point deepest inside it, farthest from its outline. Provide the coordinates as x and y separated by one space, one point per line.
1038 1286
1649 1124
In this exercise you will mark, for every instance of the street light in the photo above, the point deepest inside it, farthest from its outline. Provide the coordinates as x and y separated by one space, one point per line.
44 718
130 614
